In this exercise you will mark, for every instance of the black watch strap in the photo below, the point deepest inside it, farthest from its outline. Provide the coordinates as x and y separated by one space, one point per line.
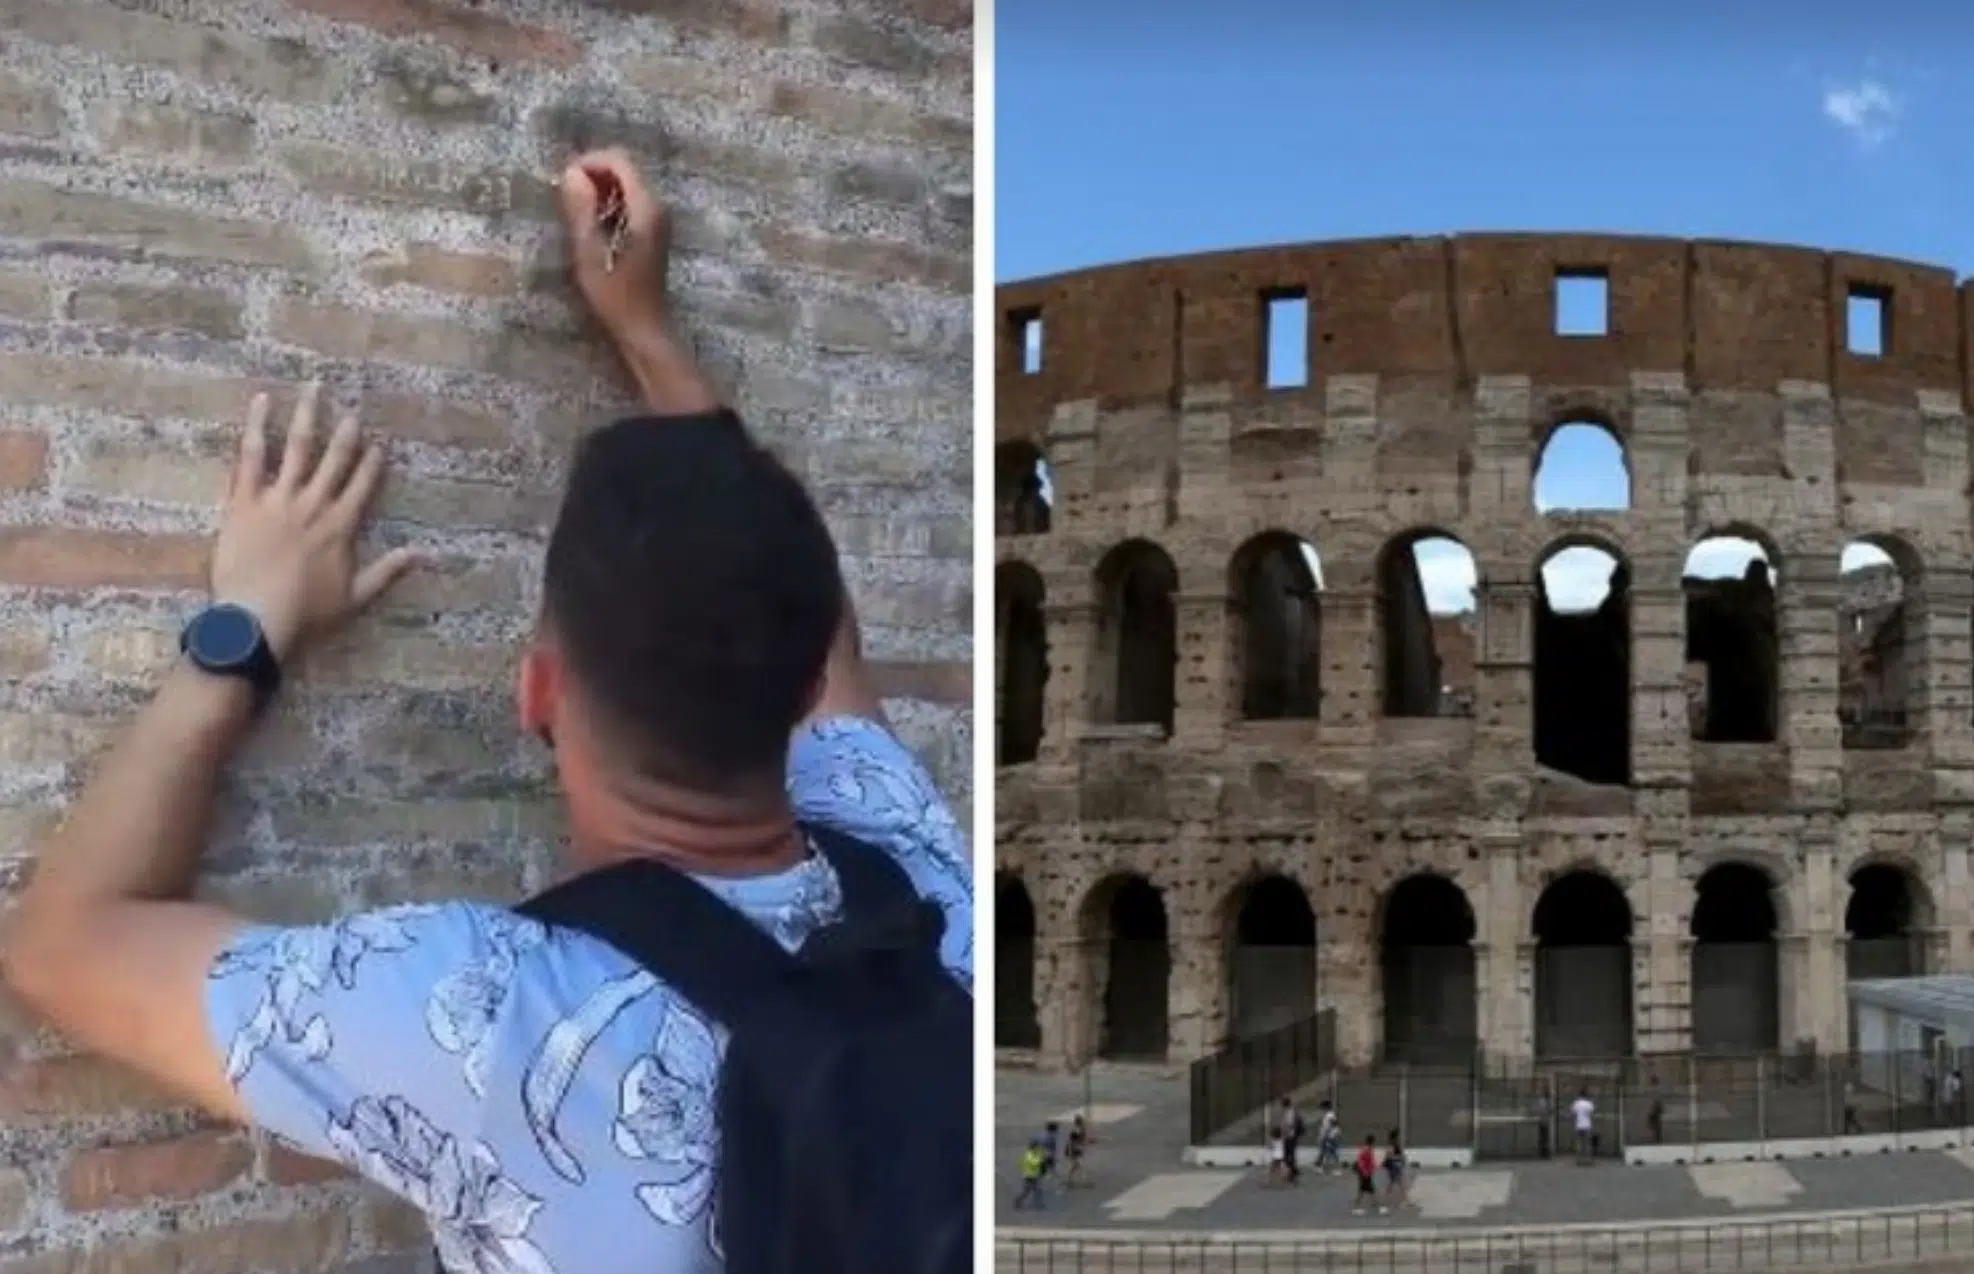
226 641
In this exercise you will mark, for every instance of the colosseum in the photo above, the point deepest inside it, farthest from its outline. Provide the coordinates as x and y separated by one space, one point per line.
1526 646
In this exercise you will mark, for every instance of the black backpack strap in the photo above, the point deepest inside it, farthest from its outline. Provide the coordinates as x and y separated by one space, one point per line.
673 926
881 906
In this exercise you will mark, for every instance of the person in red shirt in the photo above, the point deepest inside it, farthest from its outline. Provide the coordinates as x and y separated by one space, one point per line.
1367 1176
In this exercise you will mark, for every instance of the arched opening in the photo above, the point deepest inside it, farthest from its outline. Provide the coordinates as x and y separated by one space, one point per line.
1016 1024
1582 928
1024 660
1128 914
1880 643
1885 922
1271 972
1583 664
1426 587
1277 585
1582 468
1138 635
1426 954
1024 495
1733 645
1736 975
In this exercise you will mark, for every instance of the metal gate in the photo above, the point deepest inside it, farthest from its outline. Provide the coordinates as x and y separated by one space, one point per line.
1734 997
1583 1001
1528 1116
1430 1011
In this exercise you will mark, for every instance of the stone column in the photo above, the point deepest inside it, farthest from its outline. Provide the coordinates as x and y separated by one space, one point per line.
1504 681
1072 632
1197 997
1063 996
1798 1004
1819 924
1810 675
1504 1014
1524 997
1201 683
1347 981
1664 1003
1350 707
1951 891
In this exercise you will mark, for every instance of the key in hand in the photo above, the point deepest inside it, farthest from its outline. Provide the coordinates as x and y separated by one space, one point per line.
612 216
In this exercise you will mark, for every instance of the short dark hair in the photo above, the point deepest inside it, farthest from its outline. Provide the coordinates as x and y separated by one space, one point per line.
693 590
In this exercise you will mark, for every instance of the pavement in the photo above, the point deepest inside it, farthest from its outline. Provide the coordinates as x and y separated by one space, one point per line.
1138 1183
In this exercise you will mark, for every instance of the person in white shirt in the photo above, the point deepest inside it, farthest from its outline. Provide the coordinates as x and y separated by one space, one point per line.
1583 1114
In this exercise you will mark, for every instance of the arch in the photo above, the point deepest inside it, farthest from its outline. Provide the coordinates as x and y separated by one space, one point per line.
1427 585
1736 972
1275 584
1581 467
1016 1024
1733 641
1582 926
1137 653
1881 642
1271 967
1582 648
1125 928
1023 640
1426 969
1024 491
1885 922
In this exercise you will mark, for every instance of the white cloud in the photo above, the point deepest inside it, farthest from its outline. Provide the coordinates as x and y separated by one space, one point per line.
1446 572
1577 579
1867 110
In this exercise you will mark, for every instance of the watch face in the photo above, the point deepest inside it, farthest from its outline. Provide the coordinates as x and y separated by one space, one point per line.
223 637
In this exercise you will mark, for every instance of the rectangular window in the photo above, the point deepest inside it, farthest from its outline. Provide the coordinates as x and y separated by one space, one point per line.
1868 320
1026 326
1583 302
1285 338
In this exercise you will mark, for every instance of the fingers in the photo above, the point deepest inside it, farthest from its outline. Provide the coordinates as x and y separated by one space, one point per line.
338 458
250 470
354 499
300 446
374 580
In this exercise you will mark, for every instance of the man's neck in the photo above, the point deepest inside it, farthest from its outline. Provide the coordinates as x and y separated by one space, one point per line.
705 835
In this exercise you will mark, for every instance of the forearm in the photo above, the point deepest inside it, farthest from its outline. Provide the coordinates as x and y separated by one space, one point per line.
140 826
668 378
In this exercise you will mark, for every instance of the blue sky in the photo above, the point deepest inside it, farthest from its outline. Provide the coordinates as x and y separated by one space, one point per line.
1126 130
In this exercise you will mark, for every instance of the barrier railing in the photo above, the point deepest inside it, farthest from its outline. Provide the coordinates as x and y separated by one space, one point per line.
1522 1110
1926 1240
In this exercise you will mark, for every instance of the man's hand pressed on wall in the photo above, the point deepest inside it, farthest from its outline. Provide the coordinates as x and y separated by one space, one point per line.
287 543
103 942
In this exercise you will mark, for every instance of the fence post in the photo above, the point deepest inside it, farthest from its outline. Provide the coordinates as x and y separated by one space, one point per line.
1693 1102
1761 1098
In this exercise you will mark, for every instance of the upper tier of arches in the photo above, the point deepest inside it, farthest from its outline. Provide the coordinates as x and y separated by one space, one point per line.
1567 309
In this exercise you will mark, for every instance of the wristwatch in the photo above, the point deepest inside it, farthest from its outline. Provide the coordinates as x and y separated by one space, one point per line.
226 640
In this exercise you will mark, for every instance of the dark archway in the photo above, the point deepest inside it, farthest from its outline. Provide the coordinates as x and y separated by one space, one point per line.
1881 643
1015 1022
1024 654
1426 957
1583 664
1426 599
1137 985
1582 928
1271 971
1024 497
1277 585
1733 643
1736 973
1138 637
1883 922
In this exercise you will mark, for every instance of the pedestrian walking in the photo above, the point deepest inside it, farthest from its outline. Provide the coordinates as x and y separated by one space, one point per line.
1329 1140
1034 1163
1292 1129
1395 1172
1366 1167
1073 1149
1583 1115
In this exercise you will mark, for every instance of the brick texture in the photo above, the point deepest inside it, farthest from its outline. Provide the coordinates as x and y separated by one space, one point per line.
201 198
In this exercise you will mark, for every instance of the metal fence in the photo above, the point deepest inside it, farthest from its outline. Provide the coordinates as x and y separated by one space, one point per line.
1503 1109
1234 1084
1929 1240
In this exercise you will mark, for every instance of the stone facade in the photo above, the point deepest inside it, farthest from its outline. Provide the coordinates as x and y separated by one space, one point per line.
1587 861
202 197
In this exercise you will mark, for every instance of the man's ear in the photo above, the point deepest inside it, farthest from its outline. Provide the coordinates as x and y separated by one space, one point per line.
537 690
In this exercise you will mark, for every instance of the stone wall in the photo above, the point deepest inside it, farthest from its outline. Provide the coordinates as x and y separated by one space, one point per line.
199 197
1436 377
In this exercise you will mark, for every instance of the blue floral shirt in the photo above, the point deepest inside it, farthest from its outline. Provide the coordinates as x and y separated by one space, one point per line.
545 1102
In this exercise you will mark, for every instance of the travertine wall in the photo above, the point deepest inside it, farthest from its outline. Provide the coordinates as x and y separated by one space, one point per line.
1435 377
198 197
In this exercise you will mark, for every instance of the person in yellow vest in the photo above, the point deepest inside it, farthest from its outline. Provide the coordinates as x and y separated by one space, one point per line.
1034 1163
